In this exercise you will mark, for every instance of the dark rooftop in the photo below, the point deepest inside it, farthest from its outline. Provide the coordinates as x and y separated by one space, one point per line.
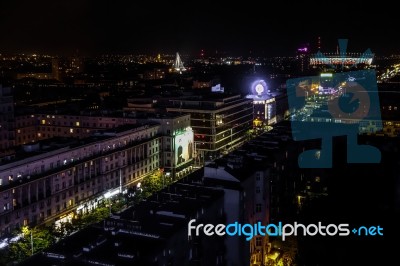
138 233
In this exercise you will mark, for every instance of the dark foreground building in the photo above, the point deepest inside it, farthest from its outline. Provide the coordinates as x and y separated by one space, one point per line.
152 233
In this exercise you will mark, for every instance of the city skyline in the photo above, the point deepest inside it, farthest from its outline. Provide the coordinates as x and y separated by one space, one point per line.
81 27
125 127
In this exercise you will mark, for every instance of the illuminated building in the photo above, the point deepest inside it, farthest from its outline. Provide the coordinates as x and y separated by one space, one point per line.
220 122
77 65
157 227
177 142
154 74
44 76
53 179
269 107
30 128
348 59
206 82
54 74
302 57
147 105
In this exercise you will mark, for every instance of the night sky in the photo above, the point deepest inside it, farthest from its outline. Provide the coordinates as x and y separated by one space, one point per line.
92 27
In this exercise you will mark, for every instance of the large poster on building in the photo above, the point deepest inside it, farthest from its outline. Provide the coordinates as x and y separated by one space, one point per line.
184 146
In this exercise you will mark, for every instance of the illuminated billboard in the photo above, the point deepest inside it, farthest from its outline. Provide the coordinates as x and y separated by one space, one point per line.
184 146
259 87
217 88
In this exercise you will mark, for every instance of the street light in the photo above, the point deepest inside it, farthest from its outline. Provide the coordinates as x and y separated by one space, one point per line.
32 241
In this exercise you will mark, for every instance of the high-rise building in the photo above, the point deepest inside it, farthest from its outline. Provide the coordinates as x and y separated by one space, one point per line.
220 122
303 58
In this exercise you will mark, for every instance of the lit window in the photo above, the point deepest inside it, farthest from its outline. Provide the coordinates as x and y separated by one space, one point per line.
39 134
77 124
71 130
43 122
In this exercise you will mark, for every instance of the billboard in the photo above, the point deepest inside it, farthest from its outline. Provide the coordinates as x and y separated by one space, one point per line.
217 88
184 146
259 87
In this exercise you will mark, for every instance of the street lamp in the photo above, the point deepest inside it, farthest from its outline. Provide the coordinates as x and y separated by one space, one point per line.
32 241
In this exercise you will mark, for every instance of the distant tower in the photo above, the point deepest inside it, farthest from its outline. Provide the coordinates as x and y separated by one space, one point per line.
55 68
303 56
178 64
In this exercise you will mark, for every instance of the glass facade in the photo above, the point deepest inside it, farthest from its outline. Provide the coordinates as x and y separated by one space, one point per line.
218 125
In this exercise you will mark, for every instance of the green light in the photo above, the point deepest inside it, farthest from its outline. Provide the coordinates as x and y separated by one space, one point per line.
326 75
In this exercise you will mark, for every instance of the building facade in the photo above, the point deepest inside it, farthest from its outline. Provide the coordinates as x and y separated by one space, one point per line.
220 122
50 185
177 143
35 127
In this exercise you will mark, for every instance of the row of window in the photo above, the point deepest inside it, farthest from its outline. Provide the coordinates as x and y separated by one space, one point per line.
65 161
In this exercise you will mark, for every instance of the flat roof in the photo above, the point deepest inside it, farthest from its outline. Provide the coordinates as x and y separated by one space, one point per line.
58 145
